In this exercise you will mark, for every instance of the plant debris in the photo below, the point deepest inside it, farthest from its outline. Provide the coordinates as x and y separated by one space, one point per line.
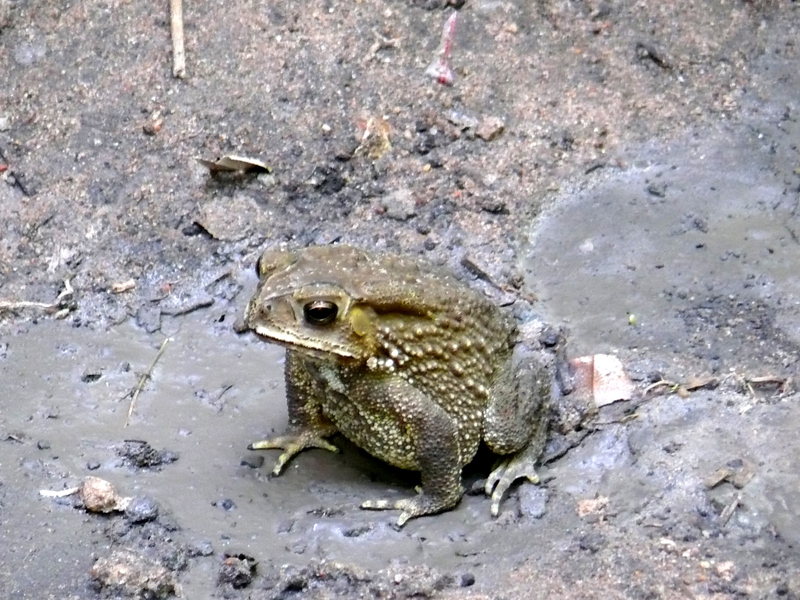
440 69
230 162
60 308
143 379
375 141
602 377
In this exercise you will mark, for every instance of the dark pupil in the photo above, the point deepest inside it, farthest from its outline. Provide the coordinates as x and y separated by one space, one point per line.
320 312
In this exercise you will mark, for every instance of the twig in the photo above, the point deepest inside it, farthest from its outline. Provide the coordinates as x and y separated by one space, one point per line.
59 493
728 511
10 305
143 379
16 305
662 382
178 51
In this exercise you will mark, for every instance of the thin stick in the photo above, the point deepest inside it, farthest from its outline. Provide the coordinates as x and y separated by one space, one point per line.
15 305
728 511
9 305
143 379
659 383
178 51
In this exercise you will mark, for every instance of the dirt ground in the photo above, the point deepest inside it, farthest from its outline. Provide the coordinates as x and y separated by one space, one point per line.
627 170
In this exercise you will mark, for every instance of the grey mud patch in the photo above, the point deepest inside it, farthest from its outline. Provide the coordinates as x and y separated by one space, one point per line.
682 257
211 393
686 264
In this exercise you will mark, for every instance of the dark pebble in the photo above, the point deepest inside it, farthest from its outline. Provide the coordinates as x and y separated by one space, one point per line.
358 531
466 579
192 230
93 465
140 454
43 445
141 510
477 488
424 144
254 461
228 504
91 376
549 337
494 206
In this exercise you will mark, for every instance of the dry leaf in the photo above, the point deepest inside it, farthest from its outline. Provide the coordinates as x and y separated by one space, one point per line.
230 162
603 376
701 381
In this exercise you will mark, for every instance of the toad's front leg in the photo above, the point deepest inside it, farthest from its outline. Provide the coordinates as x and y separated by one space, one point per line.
308 427
516 423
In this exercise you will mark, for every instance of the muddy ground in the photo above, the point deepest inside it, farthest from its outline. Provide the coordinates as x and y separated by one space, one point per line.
628 170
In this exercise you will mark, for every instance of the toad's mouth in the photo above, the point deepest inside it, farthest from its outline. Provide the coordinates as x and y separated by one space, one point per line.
323 349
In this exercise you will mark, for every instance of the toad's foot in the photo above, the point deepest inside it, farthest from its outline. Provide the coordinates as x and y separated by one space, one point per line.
291 444
506 472
422 504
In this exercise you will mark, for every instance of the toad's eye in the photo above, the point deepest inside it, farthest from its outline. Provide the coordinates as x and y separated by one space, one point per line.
320 312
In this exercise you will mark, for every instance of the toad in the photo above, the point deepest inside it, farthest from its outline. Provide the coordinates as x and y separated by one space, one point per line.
405 361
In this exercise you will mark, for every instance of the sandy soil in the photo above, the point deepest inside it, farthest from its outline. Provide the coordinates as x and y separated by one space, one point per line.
631 168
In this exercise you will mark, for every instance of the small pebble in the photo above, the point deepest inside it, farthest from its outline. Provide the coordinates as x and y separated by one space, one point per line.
467 579
532 501
43 445
142 509
490 128
201 548
254 461
549 337
226 504
477 488
91 376
93 465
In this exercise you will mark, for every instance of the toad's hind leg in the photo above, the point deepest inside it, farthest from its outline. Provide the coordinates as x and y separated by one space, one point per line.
431 445
308 427
515 424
